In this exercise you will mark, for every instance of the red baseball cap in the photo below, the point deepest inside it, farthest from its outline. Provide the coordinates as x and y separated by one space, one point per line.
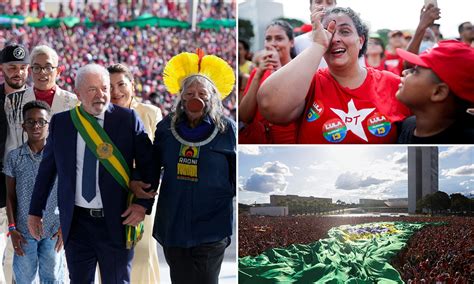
452 61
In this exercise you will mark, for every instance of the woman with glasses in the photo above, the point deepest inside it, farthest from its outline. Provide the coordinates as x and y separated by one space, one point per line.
44 67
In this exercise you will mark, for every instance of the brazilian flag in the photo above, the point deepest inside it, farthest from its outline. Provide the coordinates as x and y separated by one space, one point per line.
351 254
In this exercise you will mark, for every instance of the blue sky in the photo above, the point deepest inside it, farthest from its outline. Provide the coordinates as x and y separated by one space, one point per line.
344 172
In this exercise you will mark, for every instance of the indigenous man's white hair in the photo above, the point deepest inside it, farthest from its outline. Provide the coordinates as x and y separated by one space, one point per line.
215 108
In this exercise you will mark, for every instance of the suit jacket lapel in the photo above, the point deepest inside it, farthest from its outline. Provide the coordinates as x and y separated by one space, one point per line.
70 133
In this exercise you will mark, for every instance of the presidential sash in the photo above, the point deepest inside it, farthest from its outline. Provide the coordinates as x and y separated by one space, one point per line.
110 157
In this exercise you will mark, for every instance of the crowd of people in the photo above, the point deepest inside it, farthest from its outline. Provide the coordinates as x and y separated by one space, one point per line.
439 254
433 253
145 51
259 233
341 71
104 72
84 136
107 11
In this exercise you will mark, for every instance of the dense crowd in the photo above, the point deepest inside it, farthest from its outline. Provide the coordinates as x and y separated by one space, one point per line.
439 254
436 252
258 233
145 51
108 11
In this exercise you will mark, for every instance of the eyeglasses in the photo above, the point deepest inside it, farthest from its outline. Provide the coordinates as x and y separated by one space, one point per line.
31 123
47 69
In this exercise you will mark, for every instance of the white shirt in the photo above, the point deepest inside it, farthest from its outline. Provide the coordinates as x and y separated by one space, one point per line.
96 202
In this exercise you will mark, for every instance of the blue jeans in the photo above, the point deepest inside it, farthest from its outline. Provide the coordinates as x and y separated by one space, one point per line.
39 254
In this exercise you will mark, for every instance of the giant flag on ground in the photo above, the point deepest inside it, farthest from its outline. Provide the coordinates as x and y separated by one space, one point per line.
351 254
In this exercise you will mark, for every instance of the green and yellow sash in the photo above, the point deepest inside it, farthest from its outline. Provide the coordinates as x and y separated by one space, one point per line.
109 155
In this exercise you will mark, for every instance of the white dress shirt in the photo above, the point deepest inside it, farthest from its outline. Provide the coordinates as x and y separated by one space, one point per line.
96 202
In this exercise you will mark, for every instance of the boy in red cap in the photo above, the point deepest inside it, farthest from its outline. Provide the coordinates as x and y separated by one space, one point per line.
438 91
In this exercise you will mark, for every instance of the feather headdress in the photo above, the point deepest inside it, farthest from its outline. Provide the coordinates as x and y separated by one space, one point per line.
187 64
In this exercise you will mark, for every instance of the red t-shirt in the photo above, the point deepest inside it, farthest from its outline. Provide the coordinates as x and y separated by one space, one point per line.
394 62
384 66
279 134
336 114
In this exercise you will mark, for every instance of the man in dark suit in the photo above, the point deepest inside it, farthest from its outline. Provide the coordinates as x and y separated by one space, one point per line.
93 180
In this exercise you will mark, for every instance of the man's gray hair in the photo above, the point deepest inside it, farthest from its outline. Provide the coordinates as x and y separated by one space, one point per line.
46 50
94 69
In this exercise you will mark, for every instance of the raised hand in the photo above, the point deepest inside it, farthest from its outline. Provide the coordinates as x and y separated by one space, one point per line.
428 15
271 58
321 35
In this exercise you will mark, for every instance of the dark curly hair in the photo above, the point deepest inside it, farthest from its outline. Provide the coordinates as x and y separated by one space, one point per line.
361 27
37 105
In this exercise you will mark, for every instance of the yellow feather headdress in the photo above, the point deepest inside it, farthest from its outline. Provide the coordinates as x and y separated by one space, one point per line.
187 64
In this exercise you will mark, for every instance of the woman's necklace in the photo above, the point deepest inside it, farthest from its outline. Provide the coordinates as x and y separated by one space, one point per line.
189 143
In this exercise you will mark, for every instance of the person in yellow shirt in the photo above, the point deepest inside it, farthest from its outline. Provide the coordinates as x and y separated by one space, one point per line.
245 66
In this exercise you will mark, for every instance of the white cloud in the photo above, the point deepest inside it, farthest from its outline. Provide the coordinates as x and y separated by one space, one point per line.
273 168
271 177
467 184
351 180
311 179
250 150
266 183
241 183
453 151
467 170
325 165
398 157
297 168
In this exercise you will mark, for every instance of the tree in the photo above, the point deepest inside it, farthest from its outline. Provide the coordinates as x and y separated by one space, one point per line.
436 202
441 201
459 202
246 29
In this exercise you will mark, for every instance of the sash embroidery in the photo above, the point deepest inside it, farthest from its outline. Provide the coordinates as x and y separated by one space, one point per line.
110 157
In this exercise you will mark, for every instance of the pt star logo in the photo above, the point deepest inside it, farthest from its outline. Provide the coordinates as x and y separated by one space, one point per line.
353 118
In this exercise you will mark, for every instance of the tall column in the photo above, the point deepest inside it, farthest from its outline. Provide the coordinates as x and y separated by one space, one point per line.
422 174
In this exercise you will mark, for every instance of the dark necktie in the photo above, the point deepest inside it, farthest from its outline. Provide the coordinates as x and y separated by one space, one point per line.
89 175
